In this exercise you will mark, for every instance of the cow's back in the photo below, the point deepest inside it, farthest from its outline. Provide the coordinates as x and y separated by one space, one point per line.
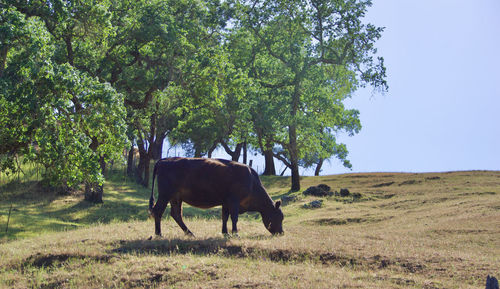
203 182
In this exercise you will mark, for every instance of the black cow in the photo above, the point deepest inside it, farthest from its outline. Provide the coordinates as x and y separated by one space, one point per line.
206 183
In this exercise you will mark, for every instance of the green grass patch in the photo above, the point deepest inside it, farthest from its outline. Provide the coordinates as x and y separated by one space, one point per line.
414 231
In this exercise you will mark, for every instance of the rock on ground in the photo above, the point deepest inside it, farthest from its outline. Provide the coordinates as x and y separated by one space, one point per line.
313 205
320 190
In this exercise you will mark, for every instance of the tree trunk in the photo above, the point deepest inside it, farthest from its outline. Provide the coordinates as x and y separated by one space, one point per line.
270 169
143 159
295 177
146 147
197 153
93 192
157 147
235 155
140 170
318 167
146 171
292 135
245 152
151 147
130 162
3 58
102 164
69 48
283 172
237 152
142 174
211 150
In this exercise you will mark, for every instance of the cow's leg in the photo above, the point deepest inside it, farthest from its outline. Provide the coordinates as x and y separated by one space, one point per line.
234 210
176 213
158 210
225 217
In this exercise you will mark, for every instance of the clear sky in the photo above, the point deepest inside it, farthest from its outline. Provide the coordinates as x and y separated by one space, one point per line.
442 110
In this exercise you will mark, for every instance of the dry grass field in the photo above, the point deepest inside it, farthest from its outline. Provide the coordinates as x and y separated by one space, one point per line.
399 230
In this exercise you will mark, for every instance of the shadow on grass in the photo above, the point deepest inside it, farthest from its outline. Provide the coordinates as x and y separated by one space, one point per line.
10 235
26 192
40 209
223 247
85 212
289 193
277 183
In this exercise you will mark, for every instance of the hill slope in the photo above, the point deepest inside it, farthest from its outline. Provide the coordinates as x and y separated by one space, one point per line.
436 230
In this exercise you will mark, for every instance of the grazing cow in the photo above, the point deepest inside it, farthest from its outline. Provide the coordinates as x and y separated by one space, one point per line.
206 183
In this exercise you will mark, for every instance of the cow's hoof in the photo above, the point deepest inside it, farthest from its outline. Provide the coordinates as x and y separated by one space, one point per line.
150 238
189 233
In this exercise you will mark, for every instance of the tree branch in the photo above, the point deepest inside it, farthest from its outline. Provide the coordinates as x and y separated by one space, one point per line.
147 98
268 47
226 148
280 156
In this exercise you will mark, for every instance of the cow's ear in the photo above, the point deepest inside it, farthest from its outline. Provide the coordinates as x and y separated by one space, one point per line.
277 204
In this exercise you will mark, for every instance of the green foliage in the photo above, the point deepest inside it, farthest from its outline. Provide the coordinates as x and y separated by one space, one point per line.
77 77
215 105
312 55
72 140
52 113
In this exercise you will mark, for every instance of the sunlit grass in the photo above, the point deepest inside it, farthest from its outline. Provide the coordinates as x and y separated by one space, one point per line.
406 231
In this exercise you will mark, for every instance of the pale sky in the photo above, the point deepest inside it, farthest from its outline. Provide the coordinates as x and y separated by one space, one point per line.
442 110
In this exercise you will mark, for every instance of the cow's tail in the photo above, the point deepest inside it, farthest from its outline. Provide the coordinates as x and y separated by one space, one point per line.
152 198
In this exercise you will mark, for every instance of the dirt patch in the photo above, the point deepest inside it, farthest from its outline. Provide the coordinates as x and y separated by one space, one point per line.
357 177
222 248
253 285
477 193
57 260
407 265
145 280
438 200
460 232
402 281
410 182
411 267
338 221
432 178
383 185
431 285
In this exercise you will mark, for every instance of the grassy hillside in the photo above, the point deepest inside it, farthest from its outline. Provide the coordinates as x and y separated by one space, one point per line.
397 231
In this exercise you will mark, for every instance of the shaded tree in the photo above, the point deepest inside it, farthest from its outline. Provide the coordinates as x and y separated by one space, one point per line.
305 36
53 113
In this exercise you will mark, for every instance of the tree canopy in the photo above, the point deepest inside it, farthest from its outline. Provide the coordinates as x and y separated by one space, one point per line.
82 81
52 113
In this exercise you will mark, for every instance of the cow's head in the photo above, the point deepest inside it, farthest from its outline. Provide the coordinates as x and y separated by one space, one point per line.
273 220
